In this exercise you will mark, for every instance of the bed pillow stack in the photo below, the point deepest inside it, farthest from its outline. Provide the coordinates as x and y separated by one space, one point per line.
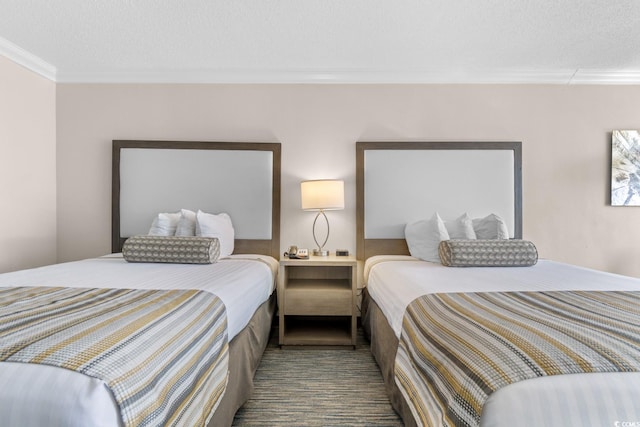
186 223
423 237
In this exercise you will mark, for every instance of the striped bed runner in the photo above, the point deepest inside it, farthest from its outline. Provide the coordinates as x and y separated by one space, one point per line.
163 354
456 349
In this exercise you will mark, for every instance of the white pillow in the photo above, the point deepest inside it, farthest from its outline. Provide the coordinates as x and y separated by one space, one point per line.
490 227
164 224
423 238
187 223
461 228
220 226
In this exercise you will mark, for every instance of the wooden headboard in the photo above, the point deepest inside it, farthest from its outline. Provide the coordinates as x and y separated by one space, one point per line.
242 179
400 182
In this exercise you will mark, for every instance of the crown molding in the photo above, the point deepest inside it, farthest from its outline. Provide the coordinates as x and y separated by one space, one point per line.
357 76
606 77
326 76
27 60
321 76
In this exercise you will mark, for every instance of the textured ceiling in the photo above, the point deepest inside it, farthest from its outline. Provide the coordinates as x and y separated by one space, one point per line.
432 41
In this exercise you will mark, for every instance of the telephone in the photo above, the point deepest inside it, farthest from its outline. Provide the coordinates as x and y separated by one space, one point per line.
295 253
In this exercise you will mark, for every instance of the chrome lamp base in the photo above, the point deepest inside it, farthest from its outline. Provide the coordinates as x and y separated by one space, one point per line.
320 251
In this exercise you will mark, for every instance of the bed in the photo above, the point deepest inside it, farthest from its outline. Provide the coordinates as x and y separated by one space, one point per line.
204 325
547 344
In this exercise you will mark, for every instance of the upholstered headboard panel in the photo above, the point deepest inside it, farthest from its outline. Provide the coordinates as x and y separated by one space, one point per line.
400 182
241 179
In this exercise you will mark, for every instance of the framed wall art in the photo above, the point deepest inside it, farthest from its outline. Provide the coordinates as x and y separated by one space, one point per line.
625 168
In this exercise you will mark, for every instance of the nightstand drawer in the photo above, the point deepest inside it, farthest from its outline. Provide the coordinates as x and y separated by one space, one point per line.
318 301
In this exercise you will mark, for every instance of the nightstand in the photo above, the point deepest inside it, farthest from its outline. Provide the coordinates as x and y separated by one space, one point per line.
317 301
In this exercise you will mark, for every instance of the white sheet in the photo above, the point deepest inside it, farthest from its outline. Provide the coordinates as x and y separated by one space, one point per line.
45 395
609 399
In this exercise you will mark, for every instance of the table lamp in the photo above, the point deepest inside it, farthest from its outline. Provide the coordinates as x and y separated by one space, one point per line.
322 195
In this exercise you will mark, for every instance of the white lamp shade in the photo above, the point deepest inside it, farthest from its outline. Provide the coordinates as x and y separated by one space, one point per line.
324 194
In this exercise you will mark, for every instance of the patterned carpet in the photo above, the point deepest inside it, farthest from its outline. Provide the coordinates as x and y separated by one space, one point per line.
318 387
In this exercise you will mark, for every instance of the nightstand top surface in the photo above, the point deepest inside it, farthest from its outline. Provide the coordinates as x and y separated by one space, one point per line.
320 260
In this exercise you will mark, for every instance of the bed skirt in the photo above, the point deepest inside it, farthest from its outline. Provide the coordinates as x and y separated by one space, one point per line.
245 353
384 346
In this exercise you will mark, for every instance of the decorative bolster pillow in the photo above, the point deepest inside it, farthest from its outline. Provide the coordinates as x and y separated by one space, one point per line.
487 253
171 249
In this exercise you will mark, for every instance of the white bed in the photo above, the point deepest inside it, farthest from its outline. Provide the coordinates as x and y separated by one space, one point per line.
394 280
150 177
243 283
583 399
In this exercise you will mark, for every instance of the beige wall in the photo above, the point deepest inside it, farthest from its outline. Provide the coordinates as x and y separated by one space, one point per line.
27 168
565 132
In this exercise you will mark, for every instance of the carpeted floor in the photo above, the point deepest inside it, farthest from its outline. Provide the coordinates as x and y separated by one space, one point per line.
318 387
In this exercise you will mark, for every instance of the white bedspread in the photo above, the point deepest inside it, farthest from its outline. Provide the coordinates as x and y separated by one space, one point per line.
243 283
611 399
